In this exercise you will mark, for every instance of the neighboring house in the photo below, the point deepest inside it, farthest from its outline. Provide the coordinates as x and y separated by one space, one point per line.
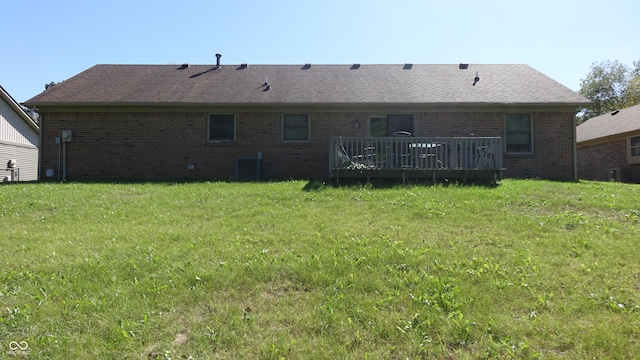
18 141
288 121
609 146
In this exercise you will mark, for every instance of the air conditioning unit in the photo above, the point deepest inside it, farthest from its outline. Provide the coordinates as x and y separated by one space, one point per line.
249 169
614 174
67 135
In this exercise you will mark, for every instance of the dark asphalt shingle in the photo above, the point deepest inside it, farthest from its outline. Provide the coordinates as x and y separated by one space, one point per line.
609 124
314 85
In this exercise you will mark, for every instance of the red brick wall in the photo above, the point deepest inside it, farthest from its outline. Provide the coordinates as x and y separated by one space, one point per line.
161 145
595 161
553 139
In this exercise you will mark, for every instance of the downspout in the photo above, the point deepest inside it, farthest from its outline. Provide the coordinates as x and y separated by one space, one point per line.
40 117
64 161
575 151
59 161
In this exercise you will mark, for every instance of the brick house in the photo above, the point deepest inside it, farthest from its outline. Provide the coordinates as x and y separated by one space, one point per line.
609 146
201 121
18 141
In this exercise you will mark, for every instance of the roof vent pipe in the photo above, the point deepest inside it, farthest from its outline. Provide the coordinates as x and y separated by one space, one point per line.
218 56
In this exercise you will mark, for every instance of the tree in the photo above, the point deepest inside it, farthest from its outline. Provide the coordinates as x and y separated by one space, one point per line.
633 89
610 86
50 85
33 114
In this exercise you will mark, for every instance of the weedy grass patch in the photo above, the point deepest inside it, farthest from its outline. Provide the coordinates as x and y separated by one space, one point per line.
285 270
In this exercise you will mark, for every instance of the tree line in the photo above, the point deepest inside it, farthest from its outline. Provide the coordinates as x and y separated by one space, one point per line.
610 85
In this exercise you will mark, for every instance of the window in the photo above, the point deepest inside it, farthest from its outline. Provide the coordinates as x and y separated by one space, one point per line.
519 133
222 127
295 127
634 146
391 125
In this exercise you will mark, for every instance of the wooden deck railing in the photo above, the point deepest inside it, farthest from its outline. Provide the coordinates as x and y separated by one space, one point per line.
415 153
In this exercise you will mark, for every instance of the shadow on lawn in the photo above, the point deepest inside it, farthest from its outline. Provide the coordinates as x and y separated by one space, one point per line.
318 185
311 185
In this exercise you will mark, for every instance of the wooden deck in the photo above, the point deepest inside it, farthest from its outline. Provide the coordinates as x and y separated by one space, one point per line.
430 158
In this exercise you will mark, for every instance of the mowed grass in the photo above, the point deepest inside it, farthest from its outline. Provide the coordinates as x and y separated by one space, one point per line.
297 270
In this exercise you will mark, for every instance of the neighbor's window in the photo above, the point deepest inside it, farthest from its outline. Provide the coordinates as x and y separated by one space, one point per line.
634 146
519 133
295 127
222 127
391 125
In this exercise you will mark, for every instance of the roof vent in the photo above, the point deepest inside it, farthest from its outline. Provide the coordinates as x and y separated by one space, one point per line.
615 112
243 66
184 66
266 86
306 67
355 66
218 56
463 66
476 79
407 66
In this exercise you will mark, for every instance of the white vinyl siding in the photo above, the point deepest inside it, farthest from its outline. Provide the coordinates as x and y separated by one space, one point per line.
26 158
14 129
19 142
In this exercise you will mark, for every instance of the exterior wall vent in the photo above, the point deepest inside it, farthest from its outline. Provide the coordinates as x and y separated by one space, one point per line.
249 169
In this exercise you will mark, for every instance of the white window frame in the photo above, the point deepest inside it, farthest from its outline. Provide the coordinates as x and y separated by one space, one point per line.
531 135
283 129
220 140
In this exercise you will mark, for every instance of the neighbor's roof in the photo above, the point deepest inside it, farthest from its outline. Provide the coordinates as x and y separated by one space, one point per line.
4 95
308 85
609 124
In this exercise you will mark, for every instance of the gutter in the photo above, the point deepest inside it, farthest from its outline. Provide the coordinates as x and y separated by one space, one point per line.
407 107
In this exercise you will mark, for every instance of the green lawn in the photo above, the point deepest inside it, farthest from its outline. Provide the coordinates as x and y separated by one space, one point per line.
289 270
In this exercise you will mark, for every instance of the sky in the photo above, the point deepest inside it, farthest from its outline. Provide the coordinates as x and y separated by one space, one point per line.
48 41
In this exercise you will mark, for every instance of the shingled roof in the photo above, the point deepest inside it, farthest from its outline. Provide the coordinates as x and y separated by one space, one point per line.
609 124
247 85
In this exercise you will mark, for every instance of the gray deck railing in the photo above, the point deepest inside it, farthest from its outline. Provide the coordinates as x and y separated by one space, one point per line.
415 153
